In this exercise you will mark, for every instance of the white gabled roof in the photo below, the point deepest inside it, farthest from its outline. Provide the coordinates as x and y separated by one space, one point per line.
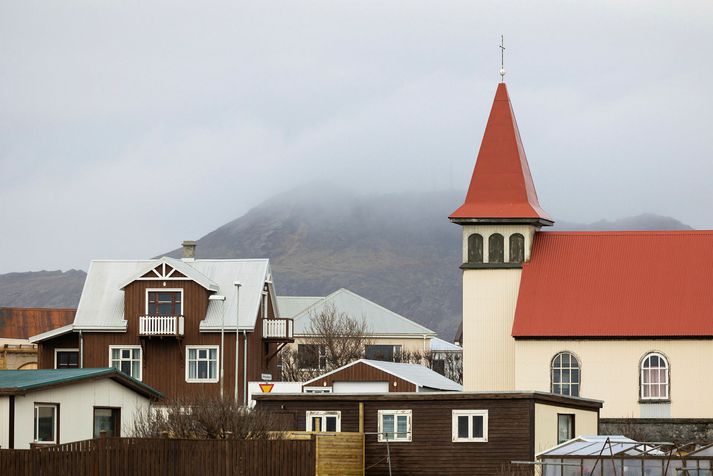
101 306
290 306
440 345
380 321
414 373
52 333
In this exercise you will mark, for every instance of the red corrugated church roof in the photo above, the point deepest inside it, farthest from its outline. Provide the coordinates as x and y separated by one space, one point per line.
501 186
617 284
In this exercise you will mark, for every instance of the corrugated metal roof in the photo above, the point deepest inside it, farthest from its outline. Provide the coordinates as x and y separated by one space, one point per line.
416 374
290 306
53 333
23 322
617 284
14 381
102 303
444 346
380 320
501 185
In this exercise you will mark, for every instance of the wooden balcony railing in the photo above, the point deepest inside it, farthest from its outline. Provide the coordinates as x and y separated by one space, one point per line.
277 329
161 326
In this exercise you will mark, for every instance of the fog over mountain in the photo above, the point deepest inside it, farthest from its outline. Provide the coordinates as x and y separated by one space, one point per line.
398 250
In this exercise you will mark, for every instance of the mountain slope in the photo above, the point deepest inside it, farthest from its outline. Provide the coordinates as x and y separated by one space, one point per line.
398 250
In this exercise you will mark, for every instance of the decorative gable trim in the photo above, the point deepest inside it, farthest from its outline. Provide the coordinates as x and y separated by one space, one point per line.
174 270
162 271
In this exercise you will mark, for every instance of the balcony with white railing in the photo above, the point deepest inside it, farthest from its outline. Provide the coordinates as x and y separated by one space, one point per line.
277 329
161 326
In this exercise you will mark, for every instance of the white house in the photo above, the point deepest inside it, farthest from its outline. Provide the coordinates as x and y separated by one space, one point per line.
45 407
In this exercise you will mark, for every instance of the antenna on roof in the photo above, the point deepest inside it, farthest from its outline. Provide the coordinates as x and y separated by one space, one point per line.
502 59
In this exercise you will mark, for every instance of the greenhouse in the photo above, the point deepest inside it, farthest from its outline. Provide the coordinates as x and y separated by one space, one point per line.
617 455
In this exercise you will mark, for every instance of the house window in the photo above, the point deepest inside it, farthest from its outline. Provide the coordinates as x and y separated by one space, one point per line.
202 364
496 244
470 426
439 365
654 377
46 416
565 427
164 303
107 421
394 425
312 356
126 359
324 421
475 248
565 375
387 353
517 248
66 358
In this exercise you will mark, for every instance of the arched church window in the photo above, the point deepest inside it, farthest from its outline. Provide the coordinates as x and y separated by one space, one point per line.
565 376
517 248
475 248
495 248
654 377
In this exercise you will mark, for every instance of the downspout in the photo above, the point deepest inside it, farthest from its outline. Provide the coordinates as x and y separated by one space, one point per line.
81 350
237 335
11 425
245 368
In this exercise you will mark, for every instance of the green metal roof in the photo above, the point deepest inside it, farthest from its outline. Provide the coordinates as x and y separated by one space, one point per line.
23 381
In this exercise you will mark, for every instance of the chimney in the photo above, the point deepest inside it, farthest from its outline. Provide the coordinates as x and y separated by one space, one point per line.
189 250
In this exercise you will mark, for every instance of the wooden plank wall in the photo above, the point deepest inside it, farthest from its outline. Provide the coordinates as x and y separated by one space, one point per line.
431 451
338 454
158 457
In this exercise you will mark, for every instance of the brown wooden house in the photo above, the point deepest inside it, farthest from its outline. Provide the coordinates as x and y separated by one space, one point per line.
162 320
453 433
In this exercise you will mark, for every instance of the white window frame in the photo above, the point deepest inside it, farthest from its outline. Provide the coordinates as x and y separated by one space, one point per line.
569 368
469 414
55 408
322 414
666 384
161 290
396 413
320 356
317 390
133 347
65 350
217 364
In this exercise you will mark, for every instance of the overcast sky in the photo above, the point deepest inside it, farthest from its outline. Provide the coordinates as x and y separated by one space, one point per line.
127 126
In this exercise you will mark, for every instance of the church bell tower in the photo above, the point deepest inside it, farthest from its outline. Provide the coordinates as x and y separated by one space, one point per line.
500 216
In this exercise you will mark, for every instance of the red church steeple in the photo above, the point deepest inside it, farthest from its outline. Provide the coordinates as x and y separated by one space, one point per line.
501 189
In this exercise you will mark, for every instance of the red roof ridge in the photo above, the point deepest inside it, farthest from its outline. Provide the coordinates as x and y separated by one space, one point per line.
628 232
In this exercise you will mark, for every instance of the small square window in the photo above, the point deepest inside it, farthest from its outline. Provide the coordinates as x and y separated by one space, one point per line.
324 421
126 359
202 364
470 426
395 425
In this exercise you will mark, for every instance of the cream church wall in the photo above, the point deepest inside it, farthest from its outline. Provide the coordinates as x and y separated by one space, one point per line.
610 372
489 298
485 231
586 422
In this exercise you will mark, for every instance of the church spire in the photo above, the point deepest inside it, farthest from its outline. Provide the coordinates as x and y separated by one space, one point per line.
501 189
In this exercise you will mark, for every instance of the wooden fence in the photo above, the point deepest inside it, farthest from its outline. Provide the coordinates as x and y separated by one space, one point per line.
338 454
159 457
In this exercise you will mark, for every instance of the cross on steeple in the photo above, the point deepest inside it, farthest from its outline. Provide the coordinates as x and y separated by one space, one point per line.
502 59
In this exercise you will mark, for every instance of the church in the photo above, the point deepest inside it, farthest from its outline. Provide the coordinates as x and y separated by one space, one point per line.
623 317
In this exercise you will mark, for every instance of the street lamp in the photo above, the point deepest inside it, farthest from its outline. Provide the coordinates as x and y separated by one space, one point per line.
237 337
218 297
